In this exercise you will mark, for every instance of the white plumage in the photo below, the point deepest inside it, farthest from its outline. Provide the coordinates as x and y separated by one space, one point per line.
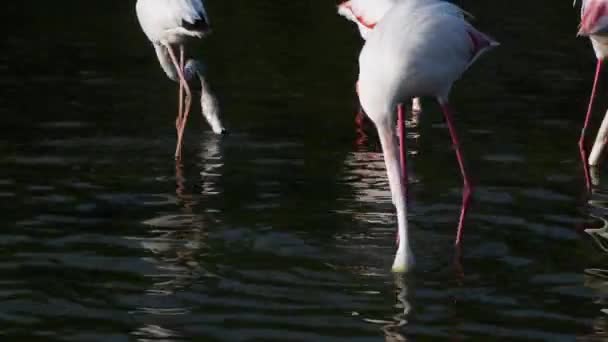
366 14
419 48
175 23
164 21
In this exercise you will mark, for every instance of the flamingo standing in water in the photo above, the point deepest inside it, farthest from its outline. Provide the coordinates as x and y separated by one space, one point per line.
594 24
420 48
174 23
366 14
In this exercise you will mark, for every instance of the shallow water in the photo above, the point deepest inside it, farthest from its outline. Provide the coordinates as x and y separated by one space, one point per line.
284 229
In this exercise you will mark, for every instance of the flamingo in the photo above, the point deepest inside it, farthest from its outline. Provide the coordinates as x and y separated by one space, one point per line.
366 14
174 23
420 48
594 24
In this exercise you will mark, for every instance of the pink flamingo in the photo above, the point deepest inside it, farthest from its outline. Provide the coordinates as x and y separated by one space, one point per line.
174 23
419 48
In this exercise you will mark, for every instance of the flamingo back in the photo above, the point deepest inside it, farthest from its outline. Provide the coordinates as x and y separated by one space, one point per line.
172 20
418 49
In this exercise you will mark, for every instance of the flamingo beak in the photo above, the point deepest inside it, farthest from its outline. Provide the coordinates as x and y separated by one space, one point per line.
594 20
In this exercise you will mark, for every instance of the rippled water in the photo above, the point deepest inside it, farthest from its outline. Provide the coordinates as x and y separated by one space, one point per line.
284 230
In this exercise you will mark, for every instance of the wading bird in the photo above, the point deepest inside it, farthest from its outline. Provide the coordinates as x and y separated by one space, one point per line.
420 48
594 24
175 23
366 14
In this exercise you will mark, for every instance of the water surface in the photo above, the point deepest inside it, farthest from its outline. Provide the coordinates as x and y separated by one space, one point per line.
285 229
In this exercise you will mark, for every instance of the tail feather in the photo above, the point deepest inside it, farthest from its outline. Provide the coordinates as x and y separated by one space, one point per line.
480 43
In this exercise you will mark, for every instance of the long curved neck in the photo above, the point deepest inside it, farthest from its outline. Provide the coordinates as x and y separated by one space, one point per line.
193 70
209 105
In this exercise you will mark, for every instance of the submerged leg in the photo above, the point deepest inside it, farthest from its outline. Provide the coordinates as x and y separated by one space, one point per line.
581 141
466 192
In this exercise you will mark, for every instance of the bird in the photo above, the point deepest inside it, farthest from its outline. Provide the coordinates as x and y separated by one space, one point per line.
366 14
172 24
420 48
594 24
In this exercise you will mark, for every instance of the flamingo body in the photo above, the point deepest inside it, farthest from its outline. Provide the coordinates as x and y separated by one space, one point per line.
419 48
172 21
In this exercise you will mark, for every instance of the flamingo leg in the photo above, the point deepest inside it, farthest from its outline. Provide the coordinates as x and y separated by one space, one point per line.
402 144
386 131
180 131
581 141
402 149
180 111
360 129
467 188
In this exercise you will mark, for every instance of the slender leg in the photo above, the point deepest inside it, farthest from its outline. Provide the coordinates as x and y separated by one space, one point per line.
466 193
360 117
581 141
402 149
188 95
402 145
361 135
180 113
182 128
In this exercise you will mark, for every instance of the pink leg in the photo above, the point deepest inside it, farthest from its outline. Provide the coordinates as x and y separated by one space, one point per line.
180 112
361 135
402 149
180 133
466 193
581 141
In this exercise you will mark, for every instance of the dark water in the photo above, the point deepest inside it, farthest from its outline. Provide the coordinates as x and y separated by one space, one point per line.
284 230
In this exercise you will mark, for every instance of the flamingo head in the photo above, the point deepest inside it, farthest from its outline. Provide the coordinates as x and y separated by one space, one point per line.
594 19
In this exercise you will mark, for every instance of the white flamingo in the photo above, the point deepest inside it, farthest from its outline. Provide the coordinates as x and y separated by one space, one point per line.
366 14
594 24
420 48
169 24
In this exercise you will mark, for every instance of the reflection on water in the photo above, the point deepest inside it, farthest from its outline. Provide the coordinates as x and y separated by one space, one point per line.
596 278
176 243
